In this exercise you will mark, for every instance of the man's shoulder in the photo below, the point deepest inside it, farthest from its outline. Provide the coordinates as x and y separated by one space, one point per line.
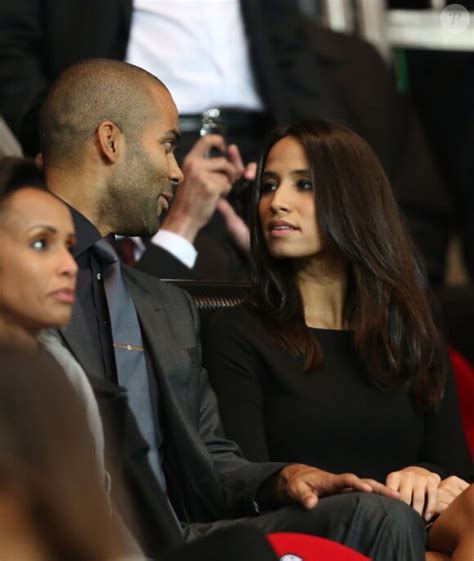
155 285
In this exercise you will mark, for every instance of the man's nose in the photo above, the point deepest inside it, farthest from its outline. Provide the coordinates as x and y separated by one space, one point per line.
175 173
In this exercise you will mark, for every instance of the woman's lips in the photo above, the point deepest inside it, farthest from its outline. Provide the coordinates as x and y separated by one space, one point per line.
279 228
65 295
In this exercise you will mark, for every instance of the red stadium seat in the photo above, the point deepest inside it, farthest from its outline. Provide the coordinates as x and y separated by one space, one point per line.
464 374
290 546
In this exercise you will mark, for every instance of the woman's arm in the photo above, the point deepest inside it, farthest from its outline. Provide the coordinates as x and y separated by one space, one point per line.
234 366
444 453
444 449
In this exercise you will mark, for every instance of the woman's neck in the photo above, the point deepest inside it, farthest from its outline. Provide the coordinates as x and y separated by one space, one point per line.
17 336
323 285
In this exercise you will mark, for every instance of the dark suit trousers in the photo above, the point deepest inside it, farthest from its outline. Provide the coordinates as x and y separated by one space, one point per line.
383 529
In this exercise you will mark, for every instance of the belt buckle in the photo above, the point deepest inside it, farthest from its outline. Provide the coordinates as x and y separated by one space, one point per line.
211 122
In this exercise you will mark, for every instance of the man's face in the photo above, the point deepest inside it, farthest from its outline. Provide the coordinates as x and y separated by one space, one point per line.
142 186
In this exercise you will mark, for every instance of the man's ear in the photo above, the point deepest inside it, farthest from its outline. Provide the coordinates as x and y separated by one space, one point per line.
110 141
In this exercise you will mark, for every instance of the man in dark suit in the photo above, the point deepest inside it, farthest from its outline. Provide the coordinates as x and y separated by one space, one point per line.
300 70
108 132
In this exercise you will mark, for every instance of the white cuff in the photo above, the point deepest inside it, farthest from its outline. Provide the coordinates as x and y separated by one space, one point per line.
178 246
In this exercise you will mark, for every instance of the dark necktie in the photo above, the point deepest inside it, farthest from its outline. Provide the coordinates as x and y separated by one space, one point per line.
129 353
126 250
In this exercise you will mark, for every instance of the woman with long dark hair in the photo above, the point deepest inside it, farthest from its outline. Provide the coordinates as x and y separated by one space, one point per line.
337 360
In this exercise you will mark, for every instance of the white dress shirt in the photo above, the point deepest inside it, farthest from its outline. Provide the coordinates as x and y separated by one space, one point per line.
198 48
173 243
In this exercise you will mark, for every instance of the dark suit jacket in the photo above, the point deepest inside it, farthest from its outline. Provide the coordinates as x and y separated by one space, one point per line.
302 70
207 478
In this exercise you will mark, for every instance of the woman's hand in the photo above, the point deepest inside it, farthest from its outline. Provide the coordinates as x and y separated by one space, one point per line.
448 490
418 487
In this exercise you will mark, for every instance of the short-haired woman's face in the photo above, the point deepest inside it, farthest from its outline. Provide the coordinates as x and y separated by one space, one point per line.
287 209
37 270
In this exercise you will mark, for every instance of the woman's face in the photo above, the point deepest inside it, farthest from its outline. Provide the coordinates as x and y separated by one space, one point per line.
37 270
287 209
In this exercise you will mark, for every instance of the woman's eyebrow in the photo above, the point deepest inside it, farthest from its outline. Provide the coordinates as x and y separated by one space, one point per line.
301 171
269 173
43 227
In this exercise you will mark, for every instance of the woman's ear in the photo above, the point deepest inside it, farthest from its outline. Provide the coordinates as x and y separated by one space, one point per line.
110 141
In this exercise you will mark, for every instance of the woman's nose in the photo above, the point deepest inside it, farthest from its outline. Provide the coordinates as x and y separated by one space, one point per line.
281 200
68 264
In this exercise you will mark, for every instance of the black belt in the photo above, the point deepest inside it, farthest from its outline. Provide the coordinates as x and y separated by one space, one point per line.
222 120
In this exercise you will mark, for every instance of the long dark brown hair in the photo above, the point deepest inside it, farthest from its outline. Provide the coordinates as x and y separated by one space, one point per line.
387 302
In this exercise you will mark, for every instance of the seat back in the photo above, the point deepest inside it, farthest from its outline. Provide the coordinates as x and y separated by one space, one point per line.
291 546
210 296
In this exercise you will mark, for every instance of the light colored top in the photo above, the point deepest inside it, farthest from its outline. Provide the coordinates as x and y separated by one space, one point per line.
198 48
50 340
178 246
76 375
174 244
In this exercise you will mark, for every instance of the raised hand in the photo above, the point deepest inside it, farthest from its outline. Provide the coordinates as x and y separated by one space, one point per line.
206 180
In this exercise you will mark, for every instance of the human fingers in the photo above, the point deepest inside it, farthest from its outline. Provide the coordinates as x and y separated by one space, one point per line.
393 480
301 491
237 228
454 485
344 480
431 498
381 489
233 154
202 147
419 494
223 165
406 487
250 171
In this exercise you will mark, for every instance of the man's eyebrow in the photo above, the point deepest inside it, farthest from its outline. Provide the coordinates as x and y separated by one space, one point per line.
175 134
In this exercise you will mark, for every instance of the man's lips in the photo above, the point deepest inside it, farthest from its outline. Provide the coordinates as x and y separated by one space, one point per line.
166 200
66 295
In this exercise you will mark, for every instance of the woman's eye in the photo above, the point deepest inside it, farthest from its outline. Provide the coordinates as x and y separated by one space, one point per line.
268 187
305 185
40 245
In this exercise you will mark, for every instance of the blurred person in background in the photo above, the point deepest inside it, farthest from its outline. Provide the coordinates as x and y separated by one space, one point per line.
53 506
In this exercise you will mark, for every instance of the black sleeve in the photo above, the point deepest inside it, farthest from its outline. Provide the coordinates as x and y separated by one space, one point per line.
159 263
445 449
234 369
23 79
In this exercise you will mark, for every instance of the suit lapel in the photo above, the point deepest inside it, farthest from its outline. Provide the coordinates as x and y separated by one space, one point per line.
78 339
169 360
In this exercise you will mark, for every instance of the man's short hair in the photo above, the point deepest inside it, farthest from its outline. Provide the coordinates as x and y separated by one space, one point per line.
88 93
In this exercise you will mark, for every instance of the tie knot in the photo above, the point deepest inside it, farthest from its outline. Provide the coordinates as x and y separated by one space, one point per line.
105 252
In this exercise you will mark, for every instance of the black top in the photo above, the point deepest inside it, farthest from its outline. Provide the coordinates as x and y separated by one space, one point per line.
333 418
